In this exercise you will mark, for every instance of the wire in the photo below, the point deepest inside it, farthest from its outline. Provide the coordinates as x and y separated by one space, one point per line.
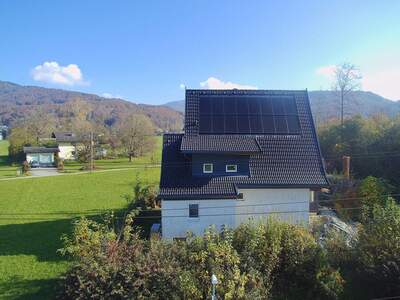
201 207
200 215
387 298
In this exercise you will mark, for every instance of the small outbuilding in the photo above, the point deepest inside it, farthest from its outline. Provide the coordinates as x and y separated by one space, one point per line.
41 156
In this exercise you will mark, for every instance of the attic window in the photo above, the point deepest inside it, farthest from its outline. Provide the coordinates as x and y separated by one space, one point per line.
231 168
208 168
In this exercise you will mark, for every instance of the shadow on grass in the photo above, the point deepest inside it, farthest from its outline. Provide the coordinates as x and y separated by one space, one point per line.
41 239
19 289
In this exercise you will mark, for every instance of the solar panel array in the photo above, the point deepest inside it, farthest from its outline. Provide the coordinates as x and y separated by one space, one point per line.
241 114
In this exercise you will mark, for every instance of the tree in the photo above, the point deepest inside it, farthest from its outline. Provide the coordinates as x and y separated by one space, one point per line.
136 134
347 79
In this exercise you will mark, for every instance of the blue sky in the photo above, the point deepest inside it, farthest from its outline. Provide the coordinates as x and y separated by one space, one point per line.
145 51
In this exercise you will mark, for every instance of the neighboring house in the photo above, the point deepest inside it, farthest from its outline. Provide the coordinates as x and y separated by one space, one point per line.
244 154
68 144
40 156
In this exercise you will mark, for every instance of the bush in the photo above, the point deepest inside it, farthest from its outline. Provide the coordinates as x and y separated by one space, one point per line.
25 167
288 260
378 251
255 261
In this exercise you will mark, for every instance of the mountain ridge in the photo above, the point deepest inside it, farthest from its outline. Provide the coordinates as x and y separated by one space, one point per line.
20 101
325 105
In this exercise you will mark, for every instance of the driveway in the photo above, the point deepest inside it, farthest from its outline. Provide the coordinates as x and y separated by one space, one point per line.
37 172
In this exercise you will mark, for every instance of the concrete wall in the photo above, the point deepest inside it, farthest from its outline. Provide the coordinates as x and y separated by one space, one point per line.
291 205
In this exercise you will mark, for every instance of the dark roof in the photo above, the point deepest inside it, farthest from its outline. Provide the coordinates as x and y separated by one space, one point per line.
219 144
63 137
40 150
282 160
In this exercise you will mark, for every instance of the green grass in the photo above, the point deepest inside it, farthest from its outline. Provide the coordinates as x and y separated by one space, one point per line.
6 169
119 163
35 212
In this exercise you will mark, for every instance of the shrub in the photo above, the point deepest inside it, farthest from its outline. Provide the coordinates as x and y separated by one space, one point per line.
291 264
378 251
25 167
263 261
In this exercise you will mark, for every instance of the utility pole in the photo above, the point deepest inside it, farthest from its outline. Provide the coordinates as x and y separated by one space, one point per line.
91 151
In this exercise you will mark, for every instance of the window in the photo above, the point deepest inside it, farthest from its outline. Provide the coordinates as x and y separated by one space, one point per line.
193 210
207 168
231 168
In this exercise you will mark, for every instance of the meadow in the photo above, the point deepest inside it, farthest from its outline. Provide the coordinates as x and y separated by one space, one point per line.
7 170
35 212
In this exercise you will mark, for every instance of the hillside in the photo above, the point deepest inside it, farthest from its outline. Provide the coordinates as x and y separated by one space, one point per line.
17 102
325 105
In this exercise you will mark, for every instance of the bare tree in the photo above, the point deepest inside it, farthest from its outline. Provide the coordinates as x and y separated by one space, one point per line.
137 135
347 80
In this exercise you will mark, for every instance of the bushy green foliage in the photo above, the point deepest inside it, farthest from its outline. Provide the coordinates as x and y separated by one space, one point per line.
373 192
378 251
289 261
144 196
255 261
371 142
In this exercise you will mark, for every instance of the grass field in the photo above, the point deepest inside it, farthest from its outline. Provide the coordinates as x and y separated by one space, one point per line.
6 169
35 212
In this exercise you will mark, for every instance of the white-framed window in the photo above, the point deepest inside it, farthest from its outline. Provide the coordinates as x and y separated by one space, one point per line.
208 168
193 210
231 168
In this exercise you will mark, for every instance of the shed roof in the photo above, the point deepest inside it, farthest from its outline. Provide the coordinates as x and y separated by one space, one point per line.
40 150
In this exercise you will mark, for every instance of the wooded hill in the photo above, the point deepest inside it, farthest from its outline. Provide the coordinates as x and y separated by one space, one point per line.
325 105
18 102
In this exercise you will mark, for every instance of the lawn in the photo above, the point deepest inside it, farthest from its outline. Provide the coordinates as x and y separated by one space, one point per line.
153 159
35 212
6 169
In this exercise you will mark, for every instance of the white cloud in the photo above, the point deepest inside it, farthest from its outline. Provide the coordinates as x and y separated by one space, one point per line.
213 83
380 74
108 95
326 71
52 72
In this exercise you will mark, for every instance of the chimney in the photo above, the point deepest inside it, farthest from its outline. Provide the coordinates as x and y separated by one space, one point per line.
346 166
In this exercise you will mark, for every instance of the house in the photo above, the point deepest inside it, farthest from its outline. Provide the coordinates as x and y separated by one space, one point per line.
40 156
243 154
68 144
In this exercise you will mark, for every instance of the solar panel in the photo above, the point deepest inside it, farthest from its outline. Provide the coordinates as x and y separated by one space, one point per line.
246 114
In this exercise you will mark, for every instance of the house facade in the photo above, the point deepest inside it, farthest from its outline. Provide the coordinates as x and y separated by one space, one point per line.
244 154
68 144
40 156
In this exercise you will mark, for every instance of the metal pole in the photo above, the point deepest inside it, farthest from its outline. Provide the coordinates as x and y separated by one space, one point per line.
213 292
91 151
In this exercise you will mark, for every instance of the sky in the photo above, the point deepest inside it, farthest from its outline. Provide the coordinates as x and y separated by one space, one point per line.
149 51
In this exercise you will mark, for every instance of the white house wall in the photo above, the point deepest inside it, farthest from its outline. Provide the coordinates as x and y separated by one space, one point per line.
175 219
66 152
291 205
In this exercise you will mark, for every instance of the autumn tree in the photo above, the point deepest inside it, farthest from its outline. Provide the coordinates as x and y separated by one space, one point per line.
136 133
347 79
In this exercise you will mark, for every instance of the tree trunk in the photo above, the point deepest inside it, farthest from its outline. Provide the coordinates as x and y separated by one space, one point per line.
130 157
